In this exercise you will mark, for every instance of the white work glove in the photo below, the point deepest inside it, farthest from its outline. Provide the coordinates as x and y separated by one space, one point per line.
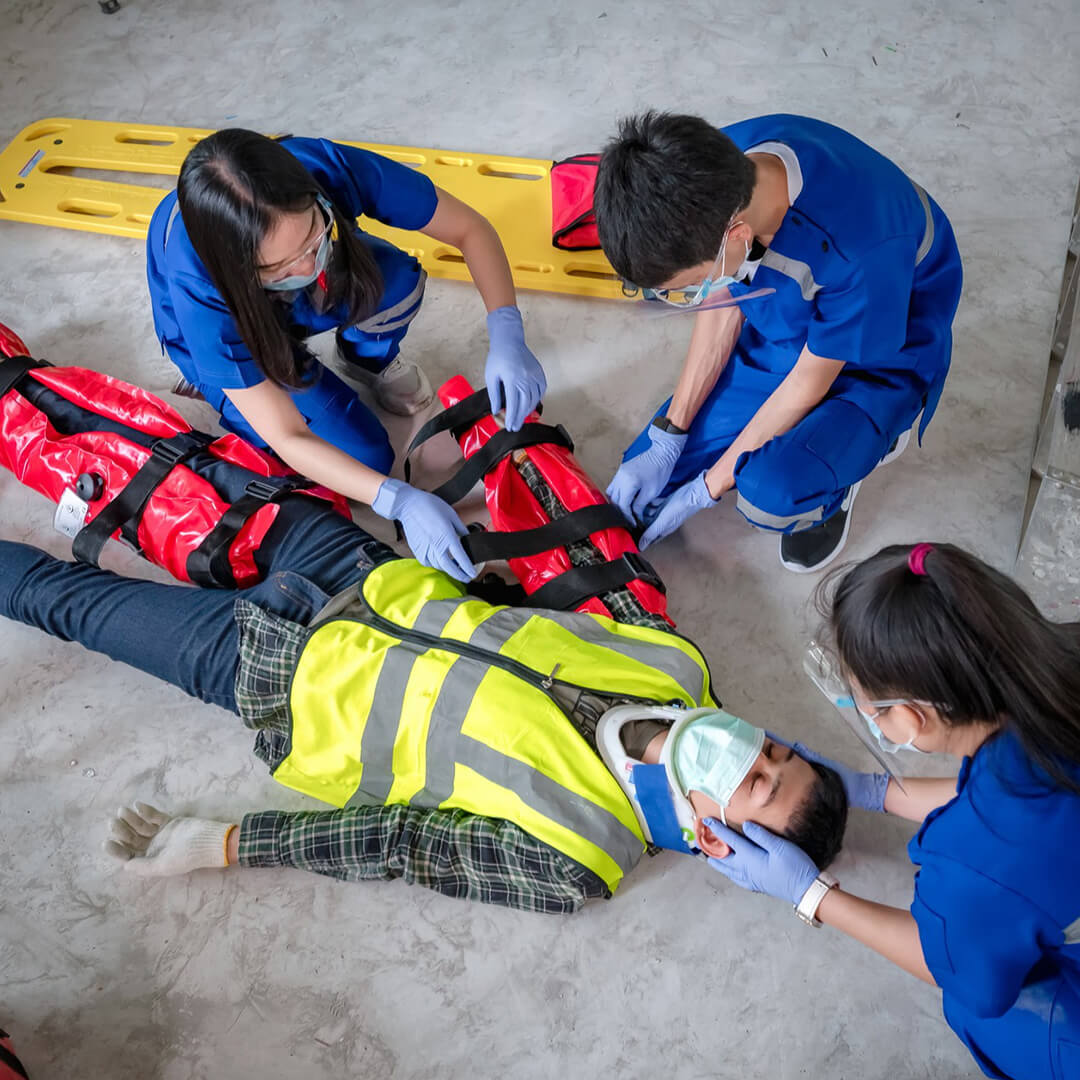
152 844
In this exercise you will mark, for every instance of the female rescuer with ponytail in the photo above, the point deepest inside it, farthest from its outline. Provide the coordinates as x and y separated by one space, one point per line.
258 250
941 653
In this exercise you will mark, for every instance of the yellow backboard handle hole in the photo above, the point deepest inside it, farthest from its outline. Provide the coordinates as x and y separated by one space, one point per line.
88 209
534 268
510 170
146 138
460 162
593 273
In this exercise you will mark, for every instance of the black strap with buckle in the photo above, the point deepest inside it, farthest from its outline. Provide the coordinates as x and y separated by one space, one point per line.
574 587
482 547
208 565
128 505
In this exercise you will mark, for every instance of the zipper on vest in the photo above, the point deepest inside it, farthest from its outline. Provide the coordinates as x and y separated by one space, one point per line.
543 683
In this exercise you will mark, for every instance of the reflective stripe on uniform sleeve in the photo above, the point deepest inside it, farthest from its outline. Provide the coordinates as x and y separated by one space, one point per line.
798 271
928 235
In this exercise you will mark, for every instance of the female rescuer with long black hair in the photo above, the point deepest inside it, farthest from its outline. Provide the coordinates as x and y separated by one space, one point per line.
941 653
258 249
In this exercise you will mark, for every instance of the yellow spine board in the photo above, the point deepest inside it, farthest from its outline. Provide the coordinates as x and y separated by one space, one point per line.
56 172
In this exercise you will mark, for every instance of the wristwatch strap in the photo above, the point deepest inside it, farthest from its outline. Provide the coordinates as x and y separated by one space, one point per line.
807 907
664 424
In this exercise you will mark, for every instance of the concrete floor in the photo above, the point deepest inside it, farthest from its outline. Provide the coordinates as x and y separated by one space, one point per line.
281 974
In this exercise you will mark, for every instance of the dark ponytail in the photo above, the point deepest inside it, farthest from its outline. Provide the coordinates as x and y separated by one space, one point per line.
964 637
232 186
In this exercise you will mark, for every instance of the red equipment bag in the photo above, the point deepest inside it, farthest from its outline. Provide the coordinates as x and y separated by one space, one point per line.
573 223
522 532
197 505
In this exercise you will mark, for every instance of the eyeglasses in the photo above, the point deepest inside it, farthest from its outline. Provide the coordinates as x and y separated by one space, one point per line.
684 298
285 272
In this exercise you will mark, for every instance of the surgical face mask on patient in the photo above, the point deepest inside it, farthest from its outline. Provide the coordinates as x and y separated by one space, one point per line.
714 754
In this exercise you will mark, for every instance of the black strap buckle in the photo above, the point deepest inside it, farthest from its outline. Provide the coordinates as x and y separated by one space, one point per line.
273 488
643 570
175 448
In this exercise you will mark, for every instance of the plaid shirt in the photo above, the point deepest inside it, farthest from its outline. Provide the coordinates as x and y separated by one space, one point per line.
451 851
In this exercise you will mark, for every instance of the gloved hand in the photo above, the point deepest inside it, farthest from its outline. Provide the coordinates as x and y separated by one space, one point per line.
866 791
152 844
763 862
641 479
683 504
515 380
432 528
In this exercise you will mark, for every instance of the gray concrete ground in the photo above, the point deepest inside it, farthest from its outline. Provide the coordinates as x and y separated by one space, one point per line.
276 974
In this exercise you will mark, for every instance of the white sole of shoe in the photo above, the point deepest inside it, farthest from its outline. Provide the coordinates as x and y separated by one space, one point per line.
795 568
901 445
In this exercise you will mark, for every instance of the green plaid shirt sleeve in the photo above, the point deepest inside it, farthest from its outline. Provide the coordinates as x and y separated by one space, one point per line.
453 852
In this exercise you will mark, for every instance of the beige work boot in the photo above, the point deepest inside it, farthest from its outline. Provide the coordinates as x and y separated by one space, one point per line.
401 387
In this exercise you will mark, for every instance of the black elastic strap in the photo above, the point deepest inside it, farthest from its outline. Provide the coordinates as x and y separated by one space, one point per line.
457 419
482 547
493 451
208 565
574 587
129 504
13 368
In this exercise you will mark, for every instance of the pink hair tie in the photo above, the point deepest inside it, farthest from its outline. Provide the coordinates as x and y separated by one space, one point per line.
916 559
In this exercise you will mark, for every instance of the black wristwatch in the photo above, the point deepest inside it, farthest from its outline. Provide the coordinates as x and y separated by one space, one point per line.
664 424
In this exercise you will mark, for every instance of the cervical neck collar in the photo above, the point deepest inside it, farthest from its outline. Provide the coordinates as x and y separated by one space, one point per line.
664 813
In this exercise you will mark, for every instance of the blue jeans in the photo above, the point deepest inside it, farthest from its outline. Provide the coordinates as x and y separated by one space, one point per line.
184 635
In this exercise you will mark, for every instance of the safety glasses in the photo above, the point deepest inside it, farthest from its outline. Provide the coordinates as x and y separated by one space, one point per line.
281 278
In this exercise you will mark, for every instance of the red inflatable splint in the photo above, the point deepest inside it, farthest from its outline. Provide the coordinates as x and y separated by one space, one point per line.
125 465
522 532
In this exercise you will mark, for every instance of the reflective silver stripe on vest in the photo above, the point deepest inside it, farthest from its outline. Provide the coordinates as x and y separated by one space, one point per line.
451 706
805 520
1072 933
798 271
398 315
387 706
494 633
541 793
928 235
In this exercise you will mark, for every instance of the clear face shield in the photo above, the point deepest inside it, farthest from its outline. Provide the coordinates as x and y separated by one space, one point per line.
825 675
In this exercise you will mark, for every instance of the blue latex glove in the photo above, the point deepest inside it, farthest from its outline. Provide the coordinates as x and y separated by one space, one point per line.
432 528
763 862
515 380
641 479
863 789
684 503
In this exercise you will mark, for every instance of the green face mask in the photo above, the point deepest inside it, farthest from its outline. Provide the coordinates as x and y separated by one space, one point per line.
714 753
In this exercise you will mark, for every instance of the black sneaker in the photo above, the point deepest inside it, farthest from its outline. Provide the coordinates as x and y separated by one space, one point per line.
814 548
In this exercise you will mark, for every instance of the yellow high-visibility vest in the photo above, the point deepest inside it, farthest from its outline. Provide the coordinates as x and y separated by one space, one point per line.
433 698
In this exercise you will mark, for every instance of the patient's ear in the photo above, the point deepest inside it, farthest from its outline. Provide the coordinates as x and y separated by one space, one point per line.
708 841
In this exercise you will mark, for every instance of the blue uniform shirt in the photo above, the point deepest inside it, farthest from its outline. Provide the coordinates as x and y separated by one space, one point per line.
190 317
997 903
865 268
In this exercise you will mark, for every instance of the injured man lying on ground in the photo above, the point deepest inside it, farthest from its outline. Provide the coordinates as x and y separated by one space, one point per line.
512 755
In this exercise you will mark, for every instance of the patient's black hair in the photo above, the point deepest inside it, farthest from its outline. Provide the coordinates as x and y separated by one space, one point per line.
666 189
818 825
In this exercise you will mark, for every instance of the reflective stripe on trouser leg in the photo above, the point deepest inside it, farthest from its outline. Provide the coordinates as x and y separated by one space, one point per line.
397 315
799 479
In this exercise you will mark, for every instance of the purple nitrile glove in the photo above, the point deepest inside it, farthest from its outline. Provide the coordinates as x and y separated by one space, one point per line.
683 504
641 479
865 791
432 528
515 380
763 862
